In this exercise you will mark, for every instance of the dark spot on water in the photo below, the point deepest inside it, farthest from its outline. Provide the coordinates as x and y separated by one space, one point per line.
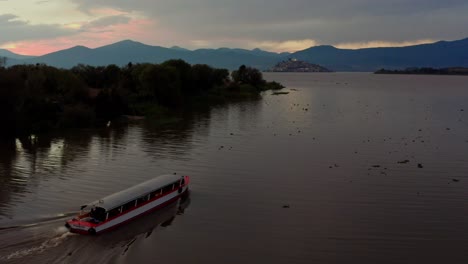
128 246
455 180
420 166
149 233
376 166
403 161
286 206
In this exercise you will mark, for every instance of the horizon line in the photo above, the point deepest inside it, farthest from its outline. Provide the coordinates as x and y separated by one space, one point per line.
339 46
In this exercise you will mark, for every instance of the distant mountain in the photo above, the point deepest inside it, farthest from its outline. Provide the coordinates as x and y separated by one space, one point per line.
441 54
10 55
126 51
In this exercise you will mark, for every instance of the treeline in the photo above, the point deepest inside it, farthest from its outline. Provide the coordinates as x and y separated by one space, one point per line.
40 98
429 71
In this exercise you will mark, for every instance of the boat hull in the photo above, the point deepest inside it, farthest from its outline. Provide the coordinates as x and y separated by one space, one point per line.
87 228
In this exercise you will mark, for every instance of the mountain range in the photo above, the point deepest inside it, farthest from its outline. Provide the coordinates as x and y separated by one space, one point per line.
436 55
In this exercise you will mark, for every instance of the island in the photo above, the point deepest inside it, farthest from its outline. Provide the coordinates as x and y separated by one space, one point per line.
294 65
427 71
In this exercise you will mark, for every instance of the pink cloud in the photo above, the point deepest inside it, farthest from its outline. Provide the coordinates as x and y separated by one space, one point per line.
136 29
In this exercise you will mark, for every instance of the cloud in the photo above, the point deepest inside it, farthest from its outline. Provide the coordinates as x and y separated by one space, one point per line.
108 21
12 29
269 24
104 32
377 43
285 46
327 21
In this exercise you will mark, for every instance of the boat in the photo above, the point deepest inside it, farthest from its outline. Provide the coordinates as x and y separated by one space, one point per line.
119 208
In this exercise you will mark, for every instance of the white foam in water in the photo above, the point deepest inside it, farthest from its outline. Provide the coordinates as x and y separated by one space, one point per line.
61 230
47 244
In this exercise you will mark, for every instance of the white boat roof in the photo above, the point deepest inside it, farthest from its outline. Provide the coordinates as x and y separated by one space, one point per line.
117 199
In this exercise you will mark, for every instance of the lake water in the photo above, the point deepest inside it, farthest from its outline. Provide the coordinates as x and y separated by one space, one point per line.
346 168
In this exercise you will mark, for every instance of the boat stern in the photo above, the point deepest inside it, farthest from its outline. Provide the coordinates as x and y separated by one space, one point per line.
80 227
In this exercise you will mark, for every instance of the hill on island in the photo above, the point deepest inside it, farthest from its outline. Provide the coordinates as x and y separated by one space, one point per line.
294 65
442 54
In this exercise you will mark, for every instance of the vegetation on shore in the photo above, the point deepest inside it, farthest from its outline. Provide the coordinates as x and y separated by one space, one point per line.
429 71
39 98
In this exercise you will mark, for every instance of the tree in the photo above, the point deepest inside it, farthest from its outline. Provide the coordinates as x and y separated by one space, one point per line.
164 82
202 77
3 61
248 75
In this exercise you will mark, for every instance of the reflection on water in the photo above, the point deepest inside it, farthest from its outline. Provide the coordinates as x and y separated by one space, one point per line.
36 172
65 247
373 168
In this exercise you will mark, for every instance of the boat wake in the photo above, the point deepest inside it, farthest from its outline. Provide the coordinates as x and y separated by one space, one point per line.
47 244
49 241
32 237
19 223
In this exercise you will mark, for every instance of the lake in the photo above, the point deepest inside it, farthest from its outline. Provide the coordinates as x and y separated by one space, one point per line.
345 168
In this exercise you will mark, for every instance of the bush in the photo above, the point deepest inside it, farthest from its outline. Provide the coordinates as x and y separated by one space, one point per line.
77 116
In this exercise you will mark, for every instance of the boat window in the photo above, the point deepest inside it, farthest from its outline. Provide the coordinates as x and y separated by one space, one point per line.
128 206
98 214
176 184
183 181
155 193
114 212
142 200
167 188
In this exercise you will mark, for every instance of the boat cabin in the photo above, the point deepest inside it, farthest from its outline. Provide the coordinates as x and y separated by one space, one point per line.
120 203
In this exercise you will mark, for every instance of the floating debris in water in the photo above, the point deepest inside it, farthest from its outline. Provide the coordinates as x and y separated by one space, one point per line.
420 166
279 93
403 161
455 180
286 206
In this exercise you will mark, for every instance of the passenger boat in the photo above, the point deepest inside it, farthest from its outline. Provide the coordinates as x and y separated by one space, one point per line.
119 208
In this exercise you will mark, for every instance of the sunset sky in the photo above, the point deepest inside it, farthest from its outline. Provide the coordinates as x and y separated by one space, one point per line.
36 27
